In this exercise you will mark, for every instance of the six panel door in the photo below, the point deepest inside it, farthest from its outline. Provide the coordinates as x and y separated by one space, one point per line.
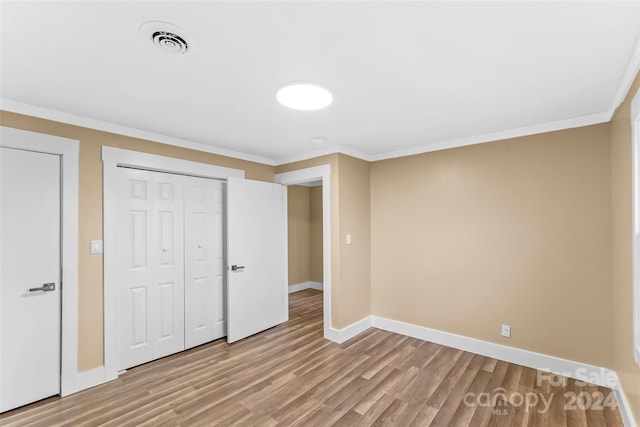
166 315
170 250
150 266
204 261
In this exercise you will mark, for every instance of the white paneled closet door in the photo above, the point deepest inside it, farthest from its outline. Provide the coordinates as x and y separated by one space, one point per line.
204 261
167 292
150 265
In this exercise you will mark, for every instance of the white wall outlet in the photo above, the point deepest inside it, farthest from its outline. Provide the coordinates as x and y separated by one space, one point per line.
506 331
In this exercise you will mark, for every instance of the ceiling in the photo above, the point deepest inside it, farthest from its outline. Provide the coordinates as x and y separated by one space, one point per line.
406 77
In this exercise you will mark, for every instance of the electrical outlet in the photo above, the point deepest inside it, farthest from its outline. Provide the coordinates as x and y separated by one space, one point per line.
506 331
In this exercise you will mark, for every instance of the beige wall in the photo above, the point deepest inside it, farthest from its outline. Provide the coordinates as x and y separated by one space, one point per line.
315 217
515 231
90 291
624 364
304 208
354 293
299 234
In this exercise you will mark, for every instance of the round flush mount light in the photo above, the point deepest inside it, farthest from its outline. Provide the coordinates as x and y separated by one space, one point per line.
167 37
319 140
304 96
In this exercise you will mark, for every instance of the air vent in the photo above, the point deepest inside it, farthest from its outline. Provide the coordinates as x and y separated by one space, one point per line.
167 37
170 42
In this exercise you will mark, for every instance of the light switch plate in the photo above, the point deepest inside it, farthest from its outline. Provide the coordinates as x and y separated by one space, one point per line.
96 247
348 239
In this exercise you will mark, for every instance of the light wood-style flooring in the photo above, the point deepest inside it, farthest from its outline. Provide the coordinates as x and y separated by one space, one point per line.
289 375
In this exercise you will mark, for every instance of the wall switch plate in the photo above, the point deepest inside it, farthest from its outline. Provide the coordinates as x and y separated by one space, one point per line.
96 247
506 331
348 239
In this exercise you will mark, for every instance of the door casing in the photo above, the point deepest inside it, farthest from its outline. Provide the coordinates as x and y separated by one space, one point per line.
300 176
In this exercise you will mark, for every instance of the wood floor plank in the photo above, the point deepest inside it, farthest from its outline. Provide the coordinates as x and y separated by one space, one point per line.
595 417
449 394
290 375
468 403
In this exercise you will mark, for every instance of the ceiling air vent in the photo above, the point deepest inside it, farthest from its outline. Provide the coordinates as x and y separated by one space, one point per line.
167 37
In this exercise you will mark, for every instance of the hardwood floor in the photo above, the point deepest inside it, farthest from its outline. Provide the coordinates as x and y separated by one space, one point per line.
289 375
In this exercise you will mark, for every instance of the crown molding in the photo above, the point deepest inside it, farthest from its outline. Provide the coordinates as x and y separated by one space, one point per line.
628 77
592 119
497 136
331 149
627 80
82 121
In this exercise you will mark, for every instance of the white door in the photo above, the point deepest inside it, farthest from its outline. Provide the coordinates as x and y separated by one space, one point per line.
256 239
29 277
204 261
150 266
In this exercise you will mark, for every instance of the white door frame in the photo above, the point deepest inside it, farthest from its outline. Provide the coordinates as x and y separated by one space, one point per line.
303 176
111 159
635 150
68 150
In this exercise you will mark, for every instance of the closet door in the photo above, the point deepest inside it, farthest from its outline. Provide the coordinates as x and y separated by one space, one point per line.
204 261
150 266
167 292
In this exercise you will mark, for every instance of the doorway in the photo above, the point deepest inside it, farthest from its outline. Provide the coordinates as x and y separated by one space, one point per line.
304 217
319 174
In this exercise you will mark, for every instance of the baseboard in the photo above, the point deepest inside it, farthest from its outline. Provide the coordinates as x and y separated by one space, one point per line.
305 285
341 335
85 380
623 405
568 368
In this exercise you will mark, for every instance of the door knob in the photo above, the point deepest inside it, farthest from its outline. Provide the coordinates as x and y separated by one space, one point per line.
237 267
46 287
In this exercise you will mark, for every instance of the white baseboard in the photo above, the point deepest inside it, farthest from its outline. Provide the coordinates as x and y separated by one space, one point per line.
568 368
341 335
623 405
556 365
85 380
305 285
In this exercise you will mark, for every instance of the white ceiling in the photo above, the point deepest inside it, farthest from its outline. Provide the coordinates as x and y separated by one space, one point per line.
406 76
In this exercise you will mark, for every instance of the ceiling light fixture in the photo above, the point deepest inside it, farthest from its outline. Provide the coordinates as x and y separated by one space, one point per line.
167 37
319 140
304 96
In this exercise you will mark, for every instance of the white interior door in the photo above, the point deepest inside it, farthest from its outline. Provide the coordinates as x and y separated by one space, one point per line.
29 277
256 242
204 261
150 258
